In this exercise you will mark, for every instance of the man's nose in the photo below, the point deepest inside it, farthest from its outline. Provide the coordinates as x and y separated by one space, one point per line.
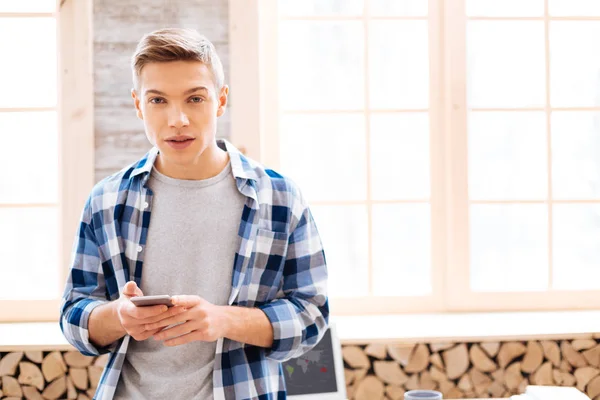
178 118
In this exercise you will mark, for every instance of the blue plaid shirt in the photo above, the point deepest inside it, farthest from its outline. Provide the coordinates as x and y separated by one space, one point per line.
279 268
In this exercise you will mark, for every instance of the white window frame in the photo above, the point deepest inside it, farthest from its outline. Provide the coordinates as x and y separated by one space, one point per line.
75 111
254 123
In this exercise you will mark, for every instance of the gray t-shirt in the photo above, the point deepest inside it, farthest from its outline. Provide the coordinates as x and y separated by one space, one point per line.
192 241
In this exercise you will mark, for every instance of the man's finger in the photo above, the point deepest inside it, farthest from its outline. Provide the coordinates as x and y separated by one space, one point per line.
185 300
146 311
173 311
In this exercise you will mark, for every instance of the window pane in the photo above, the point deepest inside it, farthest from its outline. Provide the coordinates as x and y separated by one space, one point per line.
581 8
28 76
404 8
506 64
505 8
321 65
401 249
576 155
576 252
507 156
38 6
320 7
325 154
509 247
344 233
399 64
29 164
400 156
29 253
575 63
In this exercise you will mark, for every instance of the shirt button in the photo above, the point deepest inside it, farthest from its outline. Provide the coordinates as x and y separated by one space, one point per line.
145 205
139 249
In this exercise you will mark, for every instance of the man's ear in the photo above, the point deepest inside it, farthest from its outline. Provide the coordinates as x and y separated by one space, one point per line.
136 103
223 100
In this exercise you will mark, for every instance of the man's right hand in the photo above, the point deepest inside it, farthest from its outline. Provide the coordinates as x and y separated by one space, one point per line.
134 319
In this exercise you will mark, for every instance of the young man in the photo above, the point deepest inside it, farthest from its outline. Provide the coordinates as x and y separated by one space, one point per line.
232 241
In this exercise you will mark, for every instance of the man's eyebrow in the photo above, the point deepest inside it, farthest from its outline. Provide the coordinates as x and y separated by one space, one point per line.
189 91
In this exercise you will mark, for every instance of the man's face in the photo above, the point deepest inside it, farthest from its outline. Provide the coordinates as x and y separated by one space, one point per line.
179 105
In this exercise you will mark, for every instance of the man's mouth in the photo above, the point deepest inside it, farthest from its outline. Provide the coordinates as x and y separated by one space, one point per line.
179 139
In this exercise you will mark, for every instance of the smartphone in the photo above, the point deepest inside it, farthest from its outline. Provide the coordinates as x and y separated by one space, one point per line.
142 301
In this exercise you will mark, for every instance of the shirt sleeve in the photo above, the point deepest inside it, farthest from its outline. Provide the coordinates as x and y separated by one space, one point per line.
85 288
301 317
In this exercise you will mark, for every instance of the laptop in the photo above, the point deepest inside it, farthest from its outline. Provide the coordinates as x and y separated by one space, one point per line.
318 374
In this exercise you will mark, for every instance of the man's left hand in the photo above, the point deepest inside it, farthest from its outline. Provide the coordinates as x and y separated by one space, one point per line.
201 321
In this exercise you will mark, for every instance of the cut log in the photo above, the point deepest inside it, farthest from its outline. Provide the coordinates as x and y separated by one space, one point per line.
491 348
465 383
71 391
53 366
348 376
412 383
30 374
437 375
456 361
94 374
426 382
437 347
562 378
513 376
455 394
390 372
401 353
584 375
419 359
445 387
481 382
370 388
593 388
573 357
592 356
543 376
31 393
359 374
508 352
79 377
436 360
394 392
534 356
77 360
480 359
498 375
84 397
377 351
523 386
551 352
565 366
35 356
8 363
11 387
102 360
91 393
55 389
583 344
355 357
496 389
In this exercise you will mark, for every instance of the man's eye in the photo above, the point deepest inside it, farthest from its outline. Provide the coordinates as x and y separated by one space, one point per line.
156 100
196 99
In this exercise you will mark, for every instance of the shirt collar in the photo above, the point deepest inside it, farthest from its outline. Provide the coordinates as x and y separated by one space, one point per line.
241 166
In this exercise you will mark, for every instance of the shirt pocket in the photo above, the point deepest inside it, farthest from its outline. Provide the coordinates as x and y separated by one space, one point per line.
270 250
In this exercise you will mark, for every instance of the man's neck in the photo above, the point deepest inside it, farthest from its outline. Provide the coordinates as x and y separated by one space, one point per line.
209 164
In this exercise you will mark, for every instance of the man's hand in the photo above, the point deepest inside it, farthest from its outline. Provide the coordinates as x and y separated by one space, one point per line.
135 319
202 321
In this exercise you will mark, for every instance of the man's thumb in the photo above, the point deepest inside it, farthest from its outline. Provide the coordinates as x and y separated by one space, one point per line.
131 289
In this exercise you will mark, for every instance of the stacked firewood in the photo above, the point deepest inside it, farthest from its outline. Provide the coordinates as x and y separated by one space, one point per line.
471 370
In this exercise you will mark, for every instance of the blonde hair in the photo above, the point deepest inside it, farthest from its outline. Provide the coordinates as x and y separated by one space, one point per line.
174 44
